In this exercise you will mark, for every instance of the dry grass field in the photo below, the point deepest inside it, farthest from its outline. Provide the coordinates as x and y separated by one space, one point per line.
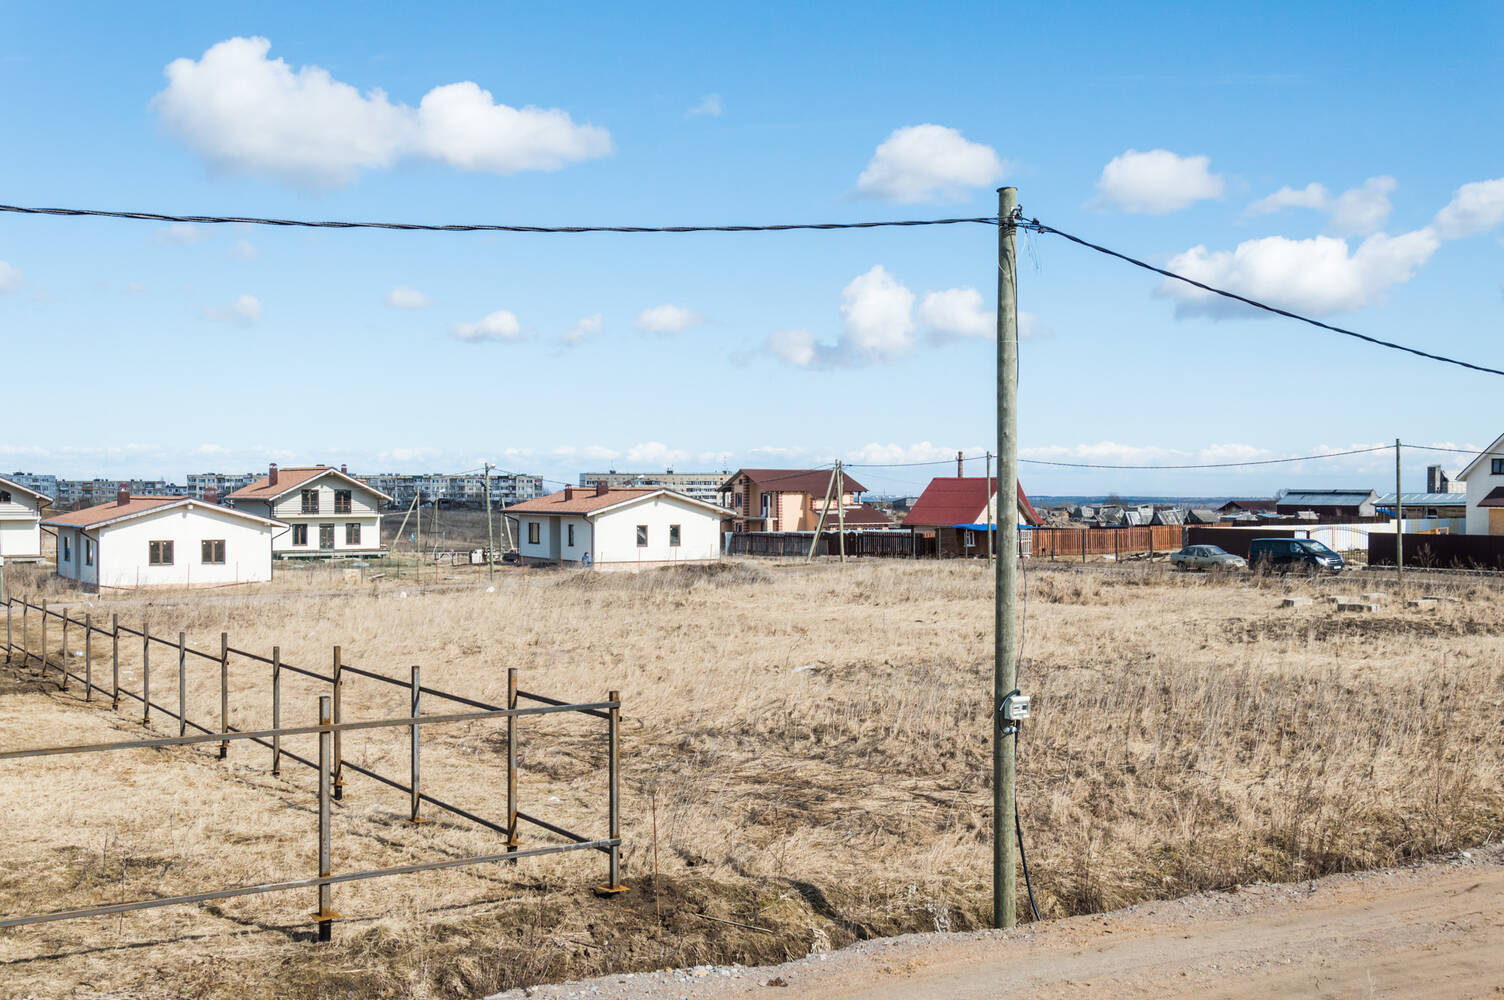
806 758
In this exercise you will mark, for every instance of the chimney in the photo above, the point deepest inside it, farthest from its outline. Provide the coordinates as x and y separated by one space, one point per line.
123 496
343 469
959 472
569 492
211 495
271 475
601 487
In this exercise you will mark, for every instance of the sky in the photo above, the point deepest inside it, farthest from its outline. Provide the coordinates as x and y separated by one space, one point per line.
1342 162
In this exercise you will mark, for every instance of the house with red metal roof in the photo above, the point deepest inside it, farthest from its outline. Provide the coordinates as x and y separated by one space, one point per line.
329 512
957 510
784 499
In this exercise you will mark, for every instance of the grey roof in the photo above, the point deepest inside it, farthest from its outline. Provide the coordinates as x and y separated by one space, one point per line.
1326 498
1168 515
1200 515
1425 499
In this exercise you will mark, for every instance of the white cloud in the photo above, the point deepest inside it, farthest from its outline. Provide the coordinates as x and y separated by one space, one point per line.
409 455
242 250
877 314
889 454
655 453
403 297
1320 276
244 311
797 347
958 312
585 326
929 163
11 279
243 112
708 106
181 234
1156 182
1364 209
1475 208
1030 327
1313 195
134 288
667 319
499 325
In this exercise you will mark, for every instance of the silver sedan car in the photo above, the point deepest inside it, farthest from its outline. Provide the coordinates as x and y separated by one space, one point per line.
1207 557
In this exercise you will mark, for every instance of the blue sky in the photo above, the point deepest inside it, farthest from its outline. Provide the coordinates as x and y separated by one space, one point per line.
139 349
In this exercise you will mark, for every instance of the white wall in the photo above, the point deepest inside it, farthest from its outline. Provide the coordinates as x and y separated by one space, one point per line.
19 535
364 510
616 533
1479 485
123 559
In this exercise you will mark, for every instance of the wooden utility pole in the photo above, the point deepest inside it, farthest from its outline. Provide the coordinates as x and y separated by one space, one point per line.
1399 519
820 524
490 534
1005 600
988 475
841 505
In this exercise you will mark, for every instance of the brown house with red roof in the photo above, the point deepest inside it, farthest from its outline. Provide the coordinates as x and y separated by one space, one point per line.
783 499
957 509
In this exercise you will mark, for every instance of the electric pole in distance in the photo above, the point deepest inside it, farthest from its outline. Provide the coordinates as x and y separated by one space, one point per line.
1005 600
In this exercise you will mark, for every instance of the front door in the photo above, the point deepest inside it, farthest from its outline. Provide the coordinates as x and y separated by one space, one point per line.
326 537
1496 520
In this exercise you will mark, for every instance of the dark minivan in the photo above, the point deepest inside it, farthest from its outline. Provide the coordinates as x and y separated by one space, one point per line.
1285 554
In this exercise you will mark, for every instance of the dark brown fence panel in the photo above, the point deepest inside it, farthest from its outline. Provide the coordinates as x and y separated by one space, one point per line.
1439 551
789 544
1234 540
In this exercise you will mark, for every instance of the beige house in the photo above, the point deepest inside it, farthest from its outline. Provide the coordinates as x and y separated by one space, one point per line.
783 499
20 517
327 511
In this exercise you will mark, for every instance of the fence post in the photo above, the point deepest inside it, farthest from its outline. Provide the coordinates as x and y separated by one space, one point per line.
613 782
8 604
224 693
415 817
512 761
88 656
115 662
145 673
44 640
339 760
277 710
325 916
25 646
63 653
182 684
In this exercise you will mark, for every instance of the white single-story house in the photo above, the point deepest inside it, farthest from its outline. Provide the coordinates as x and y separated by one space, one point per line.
163 541
20 520
608 528
328 511
1484 476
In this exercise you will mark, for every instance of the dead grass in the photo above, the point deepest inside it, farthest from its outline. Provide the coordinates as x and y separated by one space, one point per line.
806 752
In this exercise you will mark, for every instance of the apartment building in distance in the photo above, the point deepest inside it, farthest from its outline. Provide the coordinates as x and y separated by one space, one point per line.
467 490
702 486
223 484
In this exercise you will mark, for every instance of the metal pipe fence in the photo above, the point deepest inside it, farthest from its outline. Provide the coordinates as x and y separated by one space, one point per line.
329 765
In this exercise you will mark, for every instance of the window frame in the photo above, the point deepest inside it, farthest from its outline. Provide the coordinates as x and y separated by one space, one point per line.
88 552
206 551
534 533
310 501
569 535
1496 466
67 548
300 535
352 532
5 496
642 536
343 504
160 553
675 535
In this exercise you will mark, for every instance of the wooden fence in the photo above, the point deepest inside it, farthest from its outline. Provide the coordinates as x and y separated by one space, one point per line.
1081 543
1475 552
789 544
37 640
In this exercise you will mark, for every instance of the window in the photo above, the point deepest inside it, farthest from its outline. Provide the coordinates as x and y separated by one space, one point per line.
342 501
213 551
532 532
737 503
326 537
67 549
88 552
352 533
766 503
1497 466
310 501
642 536
300 534
673 534
4 497
159 553
569 529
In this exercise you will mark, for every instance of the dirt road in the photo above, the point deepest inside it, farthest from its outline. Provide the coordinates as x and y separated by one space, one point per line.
1435 931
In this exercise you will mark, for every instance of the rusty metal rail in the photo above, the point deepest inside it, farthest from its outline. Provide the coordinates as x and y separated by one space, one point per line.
330 764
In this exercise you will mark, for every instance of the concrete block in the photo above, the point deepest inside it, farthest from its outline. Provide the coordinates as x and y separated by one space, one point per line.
1337 598
1351 605
1374 597
1424 603
1295 602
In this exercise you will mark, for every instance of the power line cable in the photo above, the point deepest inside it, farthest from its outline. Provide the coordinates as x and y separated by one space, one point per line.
1039 227
209 220
1213 465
